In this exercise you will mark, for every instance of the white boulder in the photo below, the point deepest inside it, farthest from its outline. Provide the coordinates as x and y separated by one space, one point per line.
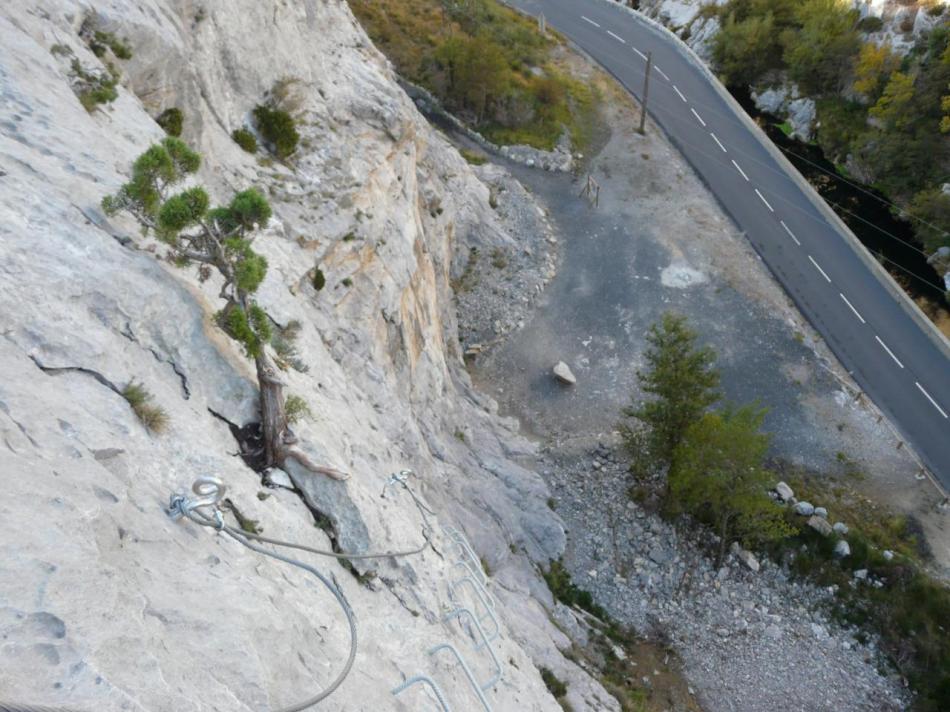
563 373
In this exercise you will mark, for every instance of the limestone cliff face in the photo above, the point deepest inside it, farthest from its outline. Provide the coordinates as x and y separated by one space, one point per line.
107 604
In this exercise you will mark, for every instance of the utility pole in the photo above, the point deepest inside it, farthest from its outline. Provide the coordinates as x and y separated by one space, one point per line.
646 92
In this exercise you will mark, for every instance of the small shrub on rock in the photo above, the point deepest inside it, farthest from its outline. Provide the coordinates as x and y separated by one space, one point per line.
278 129
555 685
319 279
171 121
139 399
245 139
296 409
93 88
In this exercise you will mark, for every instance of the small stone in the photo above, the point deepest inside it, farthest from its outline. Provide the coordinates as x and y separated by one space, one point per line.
773 631
748 558
820 525
618 652
563 373
805 509
888 554
278 478
784 492
861 574
840 528
821 512
842 549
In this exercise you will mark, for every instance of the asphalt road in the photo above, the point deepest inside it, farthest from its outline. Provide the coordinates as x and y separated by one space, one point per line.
887 352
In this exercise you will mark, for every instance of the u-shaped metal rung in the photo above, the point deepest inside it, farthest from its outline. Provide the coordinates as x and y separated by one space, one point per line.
480 594
467 571
465 549
424 680
458 613
468 672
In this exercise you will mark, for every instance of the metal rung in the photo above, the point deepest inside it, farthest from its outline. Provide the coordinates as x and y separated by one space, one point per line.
466 549
468 673
467 569
426 681
458 613
478 591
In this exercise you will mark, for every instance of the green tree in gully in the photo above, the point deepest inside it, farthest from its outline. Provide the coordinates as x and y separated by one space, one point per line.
218 240
683 383
718 476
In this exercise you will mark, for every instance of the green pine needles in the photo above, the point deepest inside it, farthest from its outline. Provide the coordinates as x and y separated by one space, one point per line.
218 238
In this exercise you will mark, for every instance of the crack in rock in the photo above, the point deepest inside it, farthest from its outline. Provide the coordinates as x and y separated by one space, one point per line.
56 370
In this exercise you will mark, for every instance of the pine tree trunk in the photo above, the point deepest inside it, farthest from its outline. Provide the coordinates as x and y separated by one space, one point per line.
273 416
280 443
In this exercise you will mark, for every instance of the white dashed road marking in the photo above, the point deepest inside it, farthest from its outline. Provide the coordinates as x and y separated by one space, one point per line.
932 401
851 307
662 73
889 352
827 278
642 56
739 169
700 118
616 37
718 142
762 198
790 233
679 93
587 19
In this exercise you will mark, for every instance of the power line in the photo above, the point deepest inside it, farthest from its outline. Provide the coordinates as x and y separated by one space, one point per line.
858 186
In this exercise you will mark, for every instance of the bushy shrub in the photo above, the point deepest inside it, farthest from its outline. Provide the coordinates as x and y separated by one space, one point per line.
870 24
555 685
100 41
319 279
93 88
296 409
245 139
139 399
171 121
278 129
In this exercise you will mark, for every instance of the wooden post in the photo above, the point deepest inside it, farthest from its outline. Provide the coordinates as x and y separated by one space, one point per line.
646 92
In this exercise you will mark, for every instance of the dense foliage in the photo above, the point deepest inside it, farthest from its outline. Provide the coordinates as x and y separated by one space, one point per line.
245 139
277 128
487 64
214 238
881 114
171 121
682 384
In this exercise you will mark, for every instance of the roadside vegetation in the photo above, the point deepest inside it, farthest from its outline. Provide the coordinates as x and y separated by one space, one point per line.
884 116
709 462
487 64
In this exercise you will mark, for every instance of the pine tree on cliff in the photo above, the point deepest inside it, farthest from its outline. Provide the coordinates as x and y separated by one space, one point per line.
219 239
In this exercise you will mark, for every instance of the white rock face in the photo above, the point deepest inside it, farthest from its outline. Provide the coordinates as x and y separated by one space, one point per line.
107 604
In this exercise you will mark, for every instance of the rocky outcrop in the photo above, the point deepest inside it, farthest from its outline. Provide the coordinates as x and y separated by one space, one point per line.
107 603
